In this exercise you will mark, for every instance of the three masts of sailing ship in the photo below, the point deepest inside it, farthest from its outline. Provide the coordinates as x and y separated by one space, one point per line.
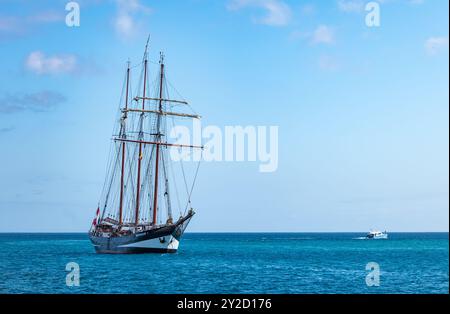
136 215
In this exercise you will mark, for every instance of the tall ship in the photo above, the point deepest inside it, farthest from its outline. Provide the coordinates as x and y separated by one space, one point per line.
135 212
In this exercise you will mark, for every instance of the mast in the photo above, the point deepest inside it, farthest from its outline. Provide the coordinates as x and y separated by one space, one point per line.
166 194
158 140
123 146
136 215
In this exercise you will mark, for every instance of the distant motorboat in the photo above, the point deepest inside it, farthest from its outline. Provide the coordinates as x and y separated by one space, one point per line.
377 235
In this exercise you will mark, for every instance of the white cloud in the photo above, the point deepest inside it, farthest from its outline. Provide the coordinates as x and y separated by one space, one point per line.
126 21
11 26
36 102
47 17
351 6
124 25
37 62
359 6
323 35
277 13
434 45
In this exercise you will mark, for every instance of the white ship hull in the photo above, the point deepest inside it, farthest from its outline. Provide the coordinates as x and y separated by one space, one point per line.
167 243
380 237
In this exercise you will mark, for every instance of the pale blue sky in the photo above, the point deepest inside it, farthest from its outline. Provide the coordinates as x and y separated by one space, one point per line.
362 112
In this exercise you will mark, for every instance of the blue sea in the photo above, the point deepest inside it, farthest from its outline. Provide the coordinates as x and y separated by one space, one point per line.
231 263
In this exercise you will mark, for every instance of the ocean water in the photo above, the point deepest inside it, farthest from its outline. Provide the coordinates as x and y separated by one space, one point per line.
231 263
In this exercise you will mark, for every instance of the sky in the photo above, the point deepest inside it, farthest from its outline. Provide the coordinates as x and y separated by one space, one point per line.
362 112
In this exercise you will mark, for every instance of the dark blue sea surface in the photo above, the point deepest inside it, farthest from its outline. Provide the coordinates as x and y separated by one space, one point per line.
231 263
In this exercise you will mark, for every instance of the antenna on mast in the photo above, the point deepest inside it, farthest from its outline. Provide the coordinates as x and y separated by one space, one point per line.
146 47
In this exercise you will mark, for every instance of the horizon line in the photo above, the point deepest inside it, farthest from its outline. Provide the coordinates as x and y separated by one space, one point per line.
221 232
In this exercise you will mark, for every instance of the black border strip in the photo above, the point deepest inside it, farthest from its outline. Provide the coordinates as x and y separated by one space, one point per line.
278 302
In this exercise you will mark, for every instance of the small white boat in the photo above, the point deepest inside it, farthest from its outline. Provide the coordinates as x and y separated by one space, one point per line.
377 235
